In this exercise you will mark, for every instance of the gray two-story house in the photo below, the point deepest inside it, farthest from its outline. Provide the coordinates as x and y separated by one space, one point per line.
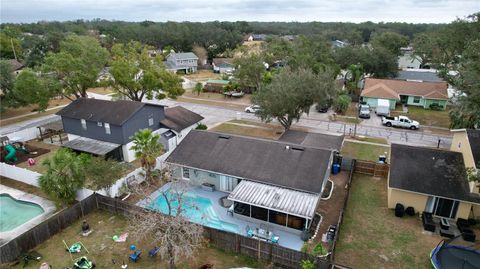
185 61
105 128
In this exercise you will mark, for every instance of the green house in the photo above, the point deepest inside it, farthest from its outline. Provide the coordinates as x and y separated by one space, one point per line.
412 93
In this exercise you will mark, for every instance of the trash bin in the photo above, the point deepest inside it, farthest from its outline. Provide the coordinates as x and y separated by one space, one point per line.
335 168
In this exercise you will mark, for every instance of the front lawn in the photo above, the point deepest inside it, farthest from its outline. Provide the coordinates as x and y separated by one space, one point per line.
372 237
426 116
104 251
364 151
266 131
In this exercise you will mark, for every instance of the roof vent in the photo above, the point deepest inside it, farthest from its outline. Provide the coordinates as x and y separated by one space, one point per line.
224 136
287 147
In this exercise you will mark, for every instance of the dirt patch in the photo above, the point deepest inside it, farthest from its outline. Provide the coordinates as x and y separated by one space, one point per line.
24 151
330 209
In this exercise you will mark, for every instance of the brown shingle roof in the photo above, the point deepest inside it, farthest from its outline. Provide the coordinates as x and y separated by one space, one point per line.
389 88
16 65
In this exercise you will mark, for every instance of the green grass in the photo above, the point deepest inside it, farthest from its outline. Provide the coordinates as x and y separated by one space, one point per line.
372 237
426 116
371 139
102 249
271 132
365 152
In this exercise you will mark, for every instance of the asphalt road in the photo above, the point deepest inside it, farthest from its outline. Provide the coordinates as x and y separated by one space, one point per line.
315 122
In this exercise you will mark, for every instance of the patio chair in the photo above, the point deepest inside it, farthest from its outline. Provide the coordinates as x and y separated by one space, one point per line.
153 252
249 231
135 256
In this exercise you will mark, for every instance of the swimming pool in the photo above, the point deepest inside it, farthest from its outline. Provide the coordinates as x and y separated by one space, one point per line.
14 213
195 208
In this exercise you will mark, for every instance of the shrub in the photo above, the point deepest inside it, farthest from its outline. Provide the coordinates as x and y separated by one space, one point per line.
319 250
201 126
435 106
306 264
341 103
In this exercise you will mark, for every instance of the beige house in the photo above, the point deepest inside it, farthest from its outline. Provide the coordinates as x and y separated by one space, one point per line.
431 180
467 141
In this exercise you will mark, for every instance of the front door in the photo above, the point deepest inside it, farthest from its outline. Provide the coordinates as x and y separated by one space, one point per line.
403 99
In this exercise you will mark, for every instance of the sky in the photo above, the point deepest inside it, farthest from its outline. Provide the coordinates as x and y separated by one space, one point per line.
414 11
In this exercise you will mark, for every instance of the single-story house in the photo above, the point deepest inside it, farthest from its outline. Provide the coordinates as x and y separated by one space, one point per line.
412 93
180 121
105 128
17 66
409 61
271 182
185 61
467 141
430 180
222 65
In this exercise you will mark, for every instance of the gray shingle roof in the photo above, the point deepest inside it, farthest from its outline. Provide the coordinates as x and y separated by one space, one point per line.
178 118
183 55
277 163
430 171
113 112
418 75
474 139
316 140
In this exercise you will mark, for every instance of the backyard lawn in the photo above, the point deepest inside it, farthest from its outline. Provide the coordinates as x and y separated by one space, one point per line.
364 151
104 251
203 75
250 129
426 116
372 237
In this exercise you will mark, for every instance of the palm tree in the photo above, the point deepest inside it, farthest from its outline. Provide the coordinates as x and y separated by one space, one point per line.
147 149
65 174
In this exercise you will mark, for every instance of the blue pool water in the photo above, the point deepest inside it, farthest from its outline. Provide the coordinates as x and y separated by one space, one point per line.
195 208
14 213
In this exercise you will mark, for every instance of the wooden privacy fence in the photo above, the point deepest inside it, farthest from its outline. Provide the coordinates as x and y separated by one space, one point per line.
267 252
43 231
371 168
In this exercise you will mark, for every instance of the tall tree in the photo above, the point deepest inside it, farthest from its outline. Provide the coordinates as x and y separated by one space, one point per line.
147 149
7 80
176 237
391 41
249 71
466 114
314 53
291 93
101 173
10 44
64 175
34 88
137 75
77 65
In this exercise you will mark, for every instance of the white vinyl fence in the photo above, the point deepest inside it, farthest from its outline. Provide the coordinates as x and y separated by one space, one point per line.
31 178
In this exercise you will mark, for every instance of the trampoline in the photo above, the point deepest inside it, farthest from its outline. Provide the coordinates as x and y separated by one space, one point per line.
456 253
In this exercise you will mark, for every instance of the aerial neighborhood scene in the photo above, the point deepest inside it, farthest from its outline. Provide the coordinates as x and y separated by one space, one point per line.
240 134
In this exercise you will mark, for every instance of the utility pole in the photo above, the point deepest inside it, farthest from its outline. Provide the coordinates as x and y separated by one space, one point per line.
13 48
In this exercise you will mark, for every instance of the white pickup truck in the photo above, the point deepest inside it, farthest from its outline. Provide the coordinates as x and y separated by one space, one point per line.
400 121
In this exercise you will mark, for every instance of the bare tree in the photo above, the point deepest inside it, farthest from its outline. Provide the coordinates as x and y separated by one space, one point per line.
175 236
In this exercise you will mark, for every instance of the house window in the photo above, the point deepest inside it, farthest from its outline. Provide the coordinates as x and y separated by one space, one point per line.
445 208
186 173
107 128
84 124
99 124
416 99
150 121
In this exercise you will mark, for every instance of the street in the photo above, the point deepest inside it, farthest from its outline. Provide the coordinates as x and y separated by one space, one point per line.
315 122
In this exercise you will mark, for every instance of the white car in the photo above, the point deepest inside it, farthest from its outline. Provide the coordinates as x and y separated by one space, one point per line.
252 108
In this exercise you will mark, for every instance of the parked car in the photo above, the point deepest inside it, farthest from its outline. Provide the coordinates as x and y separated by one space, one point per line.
252 108
400 121
323 108
364 112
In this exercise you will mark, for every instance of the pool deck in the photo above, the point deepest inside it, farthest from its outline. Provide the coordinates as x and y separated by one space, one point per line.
47 206
288 240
